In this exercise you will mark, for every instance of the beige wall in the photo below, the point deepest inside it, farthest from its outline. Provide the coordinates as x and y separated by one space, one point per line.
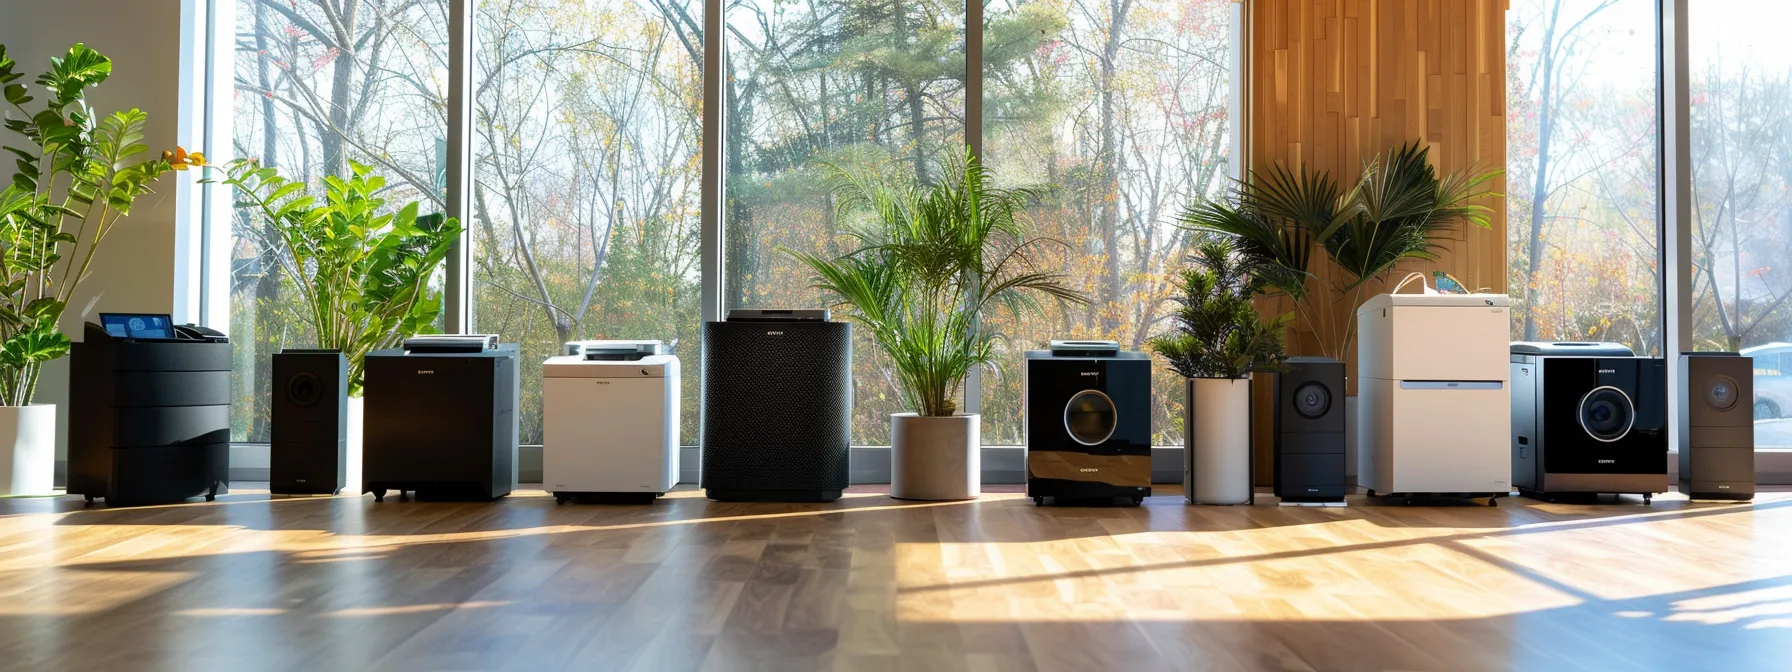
134 269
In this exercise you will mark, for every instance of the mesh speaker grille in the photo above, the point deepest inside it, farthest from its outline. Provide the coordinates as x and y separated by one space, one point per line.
777 405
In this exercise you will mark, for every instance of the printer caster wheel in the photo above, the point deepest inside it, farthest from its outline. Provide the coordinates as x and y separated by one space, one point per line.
1371 492
379 494
211 497
1038 501
1493 501
1138 501
561 499
1647 498
89 499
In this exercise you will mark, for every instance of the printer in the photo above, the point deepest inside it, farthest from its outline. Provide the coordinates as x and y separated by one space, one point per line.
1435 406
440 418
610 420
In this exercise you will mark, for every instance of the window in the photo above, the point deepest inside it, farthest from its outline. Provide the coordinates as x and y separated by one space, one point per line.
1125 117
587 177
320 83
1741 79
1582 172
862 85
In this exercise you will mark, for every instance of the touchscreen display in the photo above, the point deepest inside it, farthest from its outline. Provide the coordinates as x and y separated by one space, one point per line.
126 325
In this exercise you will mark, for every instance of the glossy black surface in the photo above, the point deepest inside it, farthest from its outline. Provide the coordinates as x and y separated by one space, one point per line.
1604 392
1309 430
1068 397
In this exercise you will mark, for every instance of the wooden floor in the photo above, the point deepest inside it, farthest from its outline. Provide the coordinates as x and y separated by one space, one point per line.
869 583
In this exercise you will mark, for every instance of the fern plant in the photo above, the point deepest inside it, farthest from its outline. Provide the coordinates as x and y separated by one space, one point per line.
931 260
1219 333
363 271
74 182
1397 211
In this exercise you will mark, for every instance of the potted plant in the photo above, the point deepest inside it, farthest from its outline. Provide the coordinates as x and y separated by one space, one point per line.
1397 211
1219 341
931 260
71 185
362 269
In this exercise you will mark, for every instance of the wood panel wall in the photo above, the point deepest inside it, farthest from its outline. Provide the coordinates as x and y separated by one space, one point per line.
1333 81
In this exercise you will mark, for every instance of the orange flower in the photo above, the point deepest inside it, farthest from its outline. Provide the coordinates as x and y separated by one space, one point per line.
179 159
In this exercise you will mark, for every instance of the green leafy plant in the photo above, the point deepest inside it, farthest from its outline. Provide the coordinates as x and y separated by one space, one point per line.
363 271
1219 333
931 260
1395 212
71 185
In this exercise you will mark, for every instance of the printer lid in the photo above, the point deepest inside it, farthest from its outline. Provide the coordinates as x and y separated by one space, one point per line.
1381 301
451 343
578 366
1571 349
1083 348
615 349
779 315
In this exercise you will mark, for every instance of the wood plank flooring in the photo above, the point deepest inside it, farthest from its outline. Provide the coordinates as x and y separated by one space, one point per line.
870 583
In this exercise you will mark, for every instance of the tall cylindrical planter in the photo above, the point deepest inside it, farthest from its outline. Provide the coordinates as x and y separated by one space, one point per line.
935 458
351 477
1217 441
28 433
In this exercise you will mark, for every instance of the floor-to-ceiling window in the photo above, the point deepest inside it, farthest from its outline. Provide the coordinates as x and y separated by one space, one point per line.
318 84
1741 81
870 86
1582 129
587 177
586 119
1120 108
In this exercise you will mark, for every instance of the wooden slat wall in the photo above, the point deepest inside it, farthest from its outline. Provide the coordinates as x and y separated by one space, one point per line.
1332 81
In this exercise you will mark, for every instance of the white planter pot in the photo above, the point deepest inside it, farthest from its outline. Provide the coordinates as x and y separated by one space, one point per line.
935 458
351 478
1352 426
1217 441
28 468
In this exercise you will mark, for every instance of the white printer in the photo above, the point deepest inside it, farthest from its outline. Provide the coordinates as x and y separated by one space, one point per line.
610 420
1434 395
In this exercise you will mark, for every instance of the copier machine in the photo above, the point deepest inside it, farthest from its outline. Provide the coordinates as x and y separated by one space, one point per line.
610 420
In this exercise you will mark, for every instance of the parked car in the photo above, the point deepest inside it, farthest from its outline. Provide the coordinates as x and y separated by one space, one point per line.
1773 379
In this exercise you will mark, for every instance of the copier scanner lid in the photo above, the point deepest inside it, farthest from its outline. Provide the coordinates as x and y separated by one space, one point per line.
581 366
615 350
451 343
1084 348
1572 349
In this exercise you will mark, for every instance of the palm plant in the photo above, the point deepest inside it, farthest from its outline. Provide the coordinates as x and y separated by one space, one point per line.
1395 212
931 260
363 271
73 183
1219 333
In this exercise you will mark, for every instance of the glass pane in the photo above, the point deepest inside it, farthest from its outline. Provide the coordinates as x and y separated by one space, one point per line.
1122 148
587 178
307 105
1741 72
878 87
1581 172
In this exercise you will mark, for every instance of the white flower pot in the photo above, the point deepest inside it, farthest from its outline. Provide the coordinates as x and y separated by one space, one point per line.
1217 441
935 458
28 466
351 477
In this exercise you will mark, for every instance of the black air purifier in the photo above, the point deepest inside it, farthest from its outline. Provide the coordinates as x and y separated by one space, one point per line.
1088 423
149 412
1717 455
308 449
440 418
1588 418
1309 431
776 407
